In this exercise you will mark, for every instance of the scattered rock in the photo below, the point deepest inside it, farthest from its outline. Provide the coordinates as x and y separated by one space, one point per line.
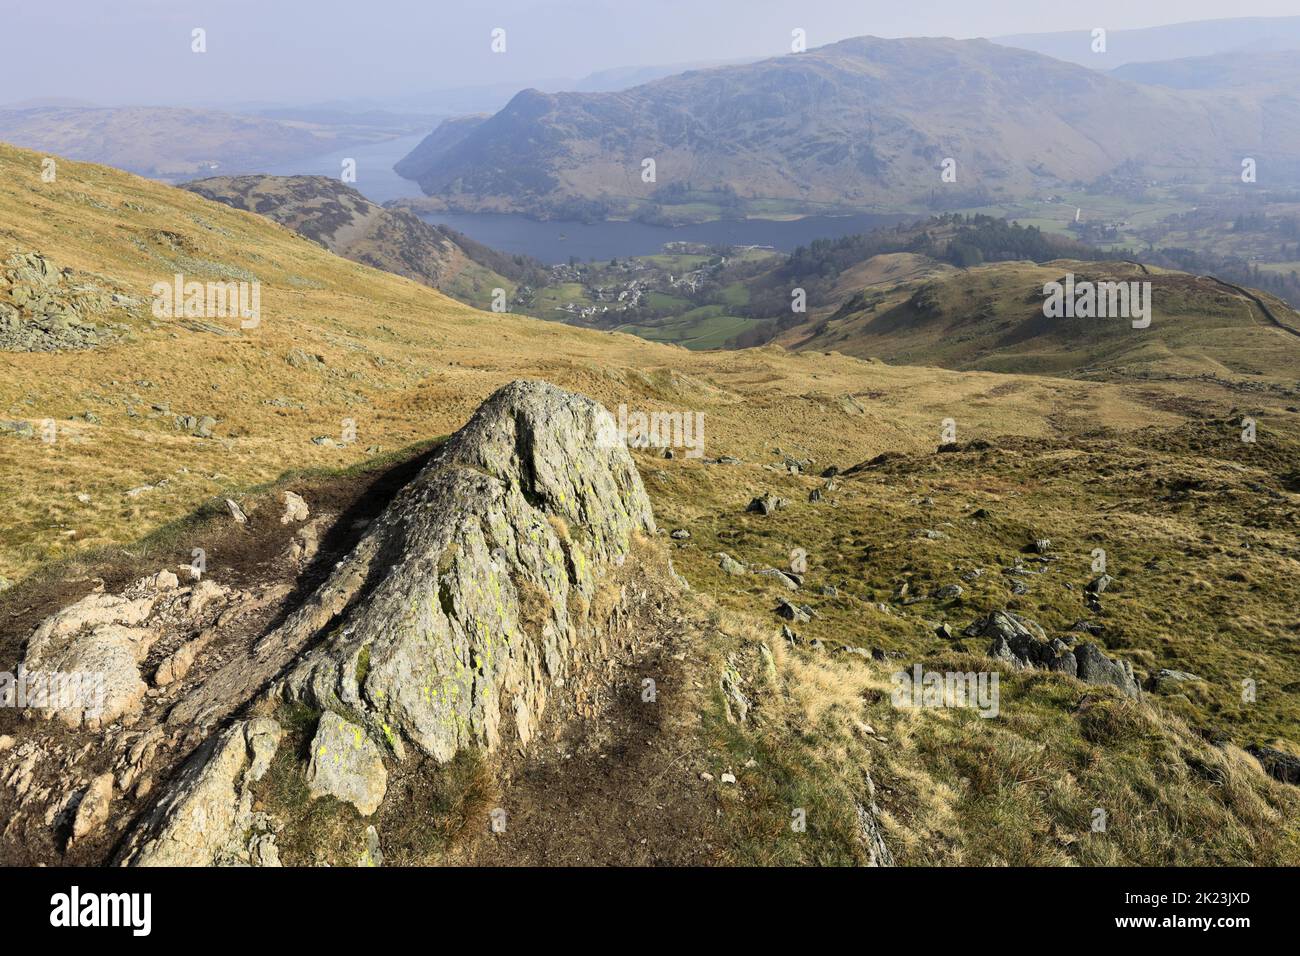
765 504
793 612
1165 680
730 565
1099 584
236 512
781 577
1096 668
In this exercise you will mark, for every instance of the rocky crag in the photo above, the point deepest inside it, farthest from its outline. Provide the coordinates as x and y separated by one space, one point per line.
45 308
492 589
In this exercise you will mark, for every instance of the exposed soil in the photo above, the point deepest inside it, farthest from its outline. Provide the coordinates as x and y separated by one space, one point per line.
622 789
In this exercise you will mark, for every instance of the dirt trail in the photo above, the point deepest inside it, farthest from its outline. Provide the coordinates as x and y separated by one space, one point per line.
622 789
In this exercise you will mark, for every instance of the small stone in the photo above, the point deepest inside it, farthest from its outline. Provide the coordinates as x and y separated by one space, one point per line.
680 534
706 776
236 512
1099 585
372 855
728 778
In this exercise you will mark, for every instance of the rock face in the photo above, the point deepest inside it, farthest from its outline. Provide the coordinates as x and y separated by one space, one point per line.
481 577
346 764
1022 643
208 808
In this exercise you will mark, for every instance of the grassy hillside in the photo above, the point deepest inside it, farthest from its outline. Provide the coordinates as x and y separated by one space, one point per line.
1199 527
992 318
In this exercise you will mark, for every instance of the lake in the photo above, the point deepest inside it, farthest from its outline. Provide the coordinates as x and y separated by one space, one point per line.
556 241
375 177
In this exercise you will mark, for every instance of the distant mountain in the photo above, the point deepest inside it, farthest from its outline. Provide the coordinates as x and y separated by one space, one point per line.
1175 41
345 222
172 143
1261 72
864 123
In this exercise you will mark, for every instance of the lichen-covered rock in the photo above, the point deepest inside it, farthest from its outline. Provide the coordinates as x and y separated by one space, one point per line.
346 764
1020 642
480 577
203 817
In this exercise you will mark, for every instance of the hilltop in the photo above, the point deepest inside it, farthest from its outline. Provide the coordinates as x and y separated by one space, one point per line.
830 535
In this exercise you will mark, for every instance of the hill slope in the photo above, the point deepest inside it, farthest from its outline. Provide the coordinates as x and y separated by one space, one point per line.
992 318
860 123
1170 42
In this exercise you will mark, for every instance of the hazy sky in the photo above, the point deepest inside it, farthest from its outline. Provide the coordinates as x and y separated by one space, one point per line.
138 51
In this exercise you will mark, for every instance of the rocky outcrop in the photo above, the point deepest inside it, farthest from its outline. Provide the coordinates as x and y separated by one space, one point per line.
207 810
481 577
489 586
44 308
1020 642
